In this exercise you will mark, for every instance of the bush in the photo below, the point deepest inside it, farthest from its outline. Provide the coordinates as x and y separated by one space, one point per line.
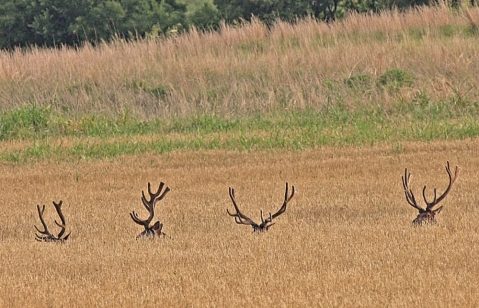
395 79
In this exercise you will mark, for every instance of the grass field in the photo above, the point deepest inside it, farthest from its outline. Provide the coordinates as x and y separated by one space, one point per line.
366 80
361 61
336 110
346 238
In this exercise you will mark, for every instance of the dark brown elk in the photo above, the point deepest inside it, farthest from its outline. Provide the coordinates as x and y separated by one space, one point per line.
156 228
265 224
45 235
428 214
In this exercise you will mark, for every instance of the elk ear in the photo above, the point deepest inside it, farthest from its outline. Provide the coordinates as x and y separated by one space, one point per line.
438 210
156 226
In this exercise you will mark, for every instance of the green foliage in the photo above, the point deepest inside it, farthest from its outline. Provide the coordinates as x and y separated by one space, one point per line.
100 23
334 125
447 30
205 124
417 33
51 23
359 82
394 79
40 22
271 10
403 4
72 22
26 122
204 16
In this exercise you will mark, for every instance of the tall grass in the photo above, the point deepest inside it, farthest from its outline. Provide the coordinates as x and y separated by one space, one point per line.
249 68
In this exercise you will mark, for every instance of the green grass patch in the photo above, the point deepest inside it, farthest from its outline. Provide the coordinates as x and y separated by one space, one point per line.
97 137
395 79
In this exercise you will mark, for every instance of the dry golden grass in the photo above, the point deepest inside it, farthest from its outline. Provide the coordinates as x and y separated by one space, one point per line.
346 239
248 68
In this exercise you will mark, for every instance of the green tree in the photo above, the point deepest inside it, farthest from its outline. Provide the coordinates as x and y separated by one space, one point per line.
144 16
204 15
271 10
100 22
14 21
54 22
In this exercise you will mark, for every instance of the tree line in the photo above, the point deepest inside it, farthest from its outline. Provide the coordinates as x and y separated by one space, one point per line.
50 23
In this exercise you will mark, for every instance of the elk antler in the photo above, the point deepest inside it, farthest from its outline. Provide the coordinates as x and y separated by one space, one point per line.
428 213
408 191
265 224
45 235
150 207
435 201
240 218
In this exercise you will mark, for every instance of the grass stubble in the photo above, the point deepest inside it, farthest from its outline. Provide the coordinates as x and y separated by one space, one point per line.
345 240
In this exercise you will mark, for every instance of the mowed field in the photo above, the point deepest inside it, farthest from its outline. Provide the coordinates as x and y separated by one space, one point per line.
345 240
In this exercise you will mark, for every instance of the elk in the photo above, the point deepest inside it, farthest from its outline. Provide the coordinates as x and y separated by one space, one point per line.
427 215
45 235
265 224
156 228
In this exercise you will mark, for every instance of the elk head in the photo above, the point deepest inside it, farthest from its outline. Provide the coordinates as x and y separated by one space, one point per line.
427 215
265 224
156 228
45 235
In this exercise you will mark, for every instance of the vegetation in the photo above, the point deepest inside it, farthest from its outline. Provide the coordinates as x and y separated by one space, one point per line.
362 61
411 77
51 23
386 80
101 137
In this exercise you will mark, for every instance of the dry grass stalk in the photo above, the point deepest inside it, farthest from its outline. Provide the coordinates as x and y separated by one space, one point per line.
346 240
248 68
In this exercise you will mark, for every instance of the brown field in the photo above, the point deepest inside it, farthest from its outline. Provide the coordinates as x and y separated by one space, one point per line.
345 240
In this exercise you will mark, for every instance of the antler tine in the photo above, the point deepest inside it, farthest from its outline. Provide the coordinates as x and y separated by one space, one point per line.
58 208
154 197
158 195
231 192
149 206
287 198
137 219
163 194
270 219
408 191
149 203
436 199
240 218
45 231
145 202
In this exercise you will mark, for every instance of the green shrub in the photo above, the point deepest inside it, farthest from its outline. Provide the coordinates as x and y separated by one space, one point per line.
359 81
394 79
